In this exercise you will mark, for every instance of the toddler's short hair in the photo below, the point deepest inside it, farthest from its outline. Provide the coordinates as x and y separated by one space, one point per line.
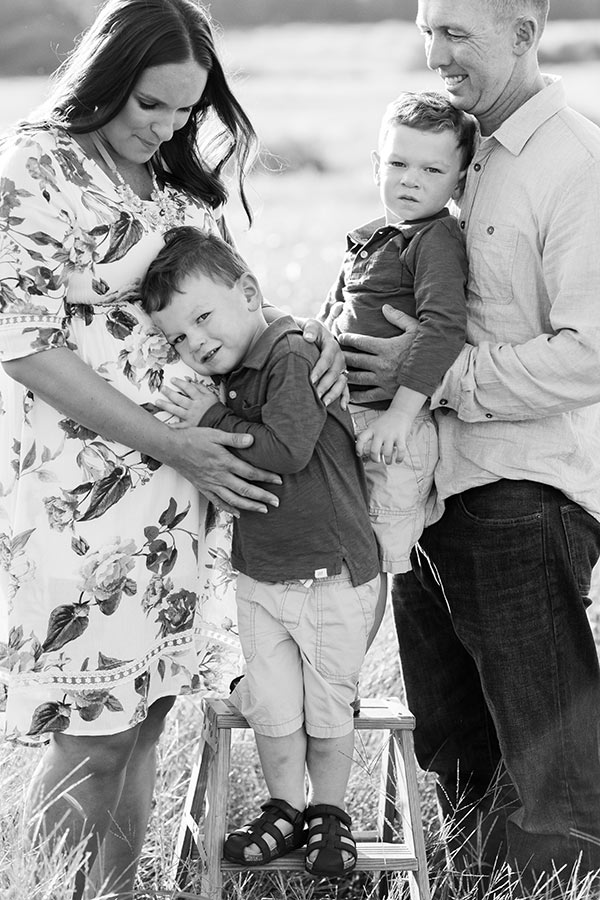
431 111
188 251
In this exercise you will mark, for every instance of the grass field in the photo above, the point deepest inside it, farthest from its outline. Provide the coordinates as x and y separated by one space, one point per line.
316 95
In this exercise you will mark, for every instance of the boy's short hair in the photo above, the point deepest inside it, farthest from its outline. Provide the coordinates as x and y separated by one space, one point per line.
431 111
188 251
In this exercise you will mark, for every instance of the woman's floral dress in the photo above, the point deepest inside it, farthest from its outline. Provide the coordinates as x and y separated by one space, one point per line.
115 585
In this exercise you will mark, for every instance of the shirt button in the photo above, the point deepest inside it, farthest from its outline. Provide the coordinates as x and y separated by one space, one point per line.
463 224
489 416
477 167
443 402
232 395
490 229
364 254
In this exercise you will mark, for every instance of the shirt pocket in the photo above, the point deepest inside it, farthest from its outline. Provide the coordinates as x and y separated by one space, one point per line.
492 250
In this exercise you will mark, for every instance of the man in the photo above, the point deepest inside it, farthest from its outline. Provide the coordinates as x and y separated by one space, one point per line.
498 657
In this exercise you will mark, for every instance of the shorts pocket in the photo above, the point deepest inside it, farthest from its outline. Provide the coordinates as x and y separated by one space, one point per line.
422 453
345 616
246 613
400 488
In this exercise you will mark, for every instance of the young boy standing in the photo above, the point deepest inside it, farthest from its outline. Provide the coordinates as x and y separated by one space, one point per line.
413 257
308 581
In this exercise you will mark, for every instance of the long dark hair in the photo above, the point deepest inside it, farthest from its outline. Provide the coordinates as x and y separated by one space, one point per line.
128 36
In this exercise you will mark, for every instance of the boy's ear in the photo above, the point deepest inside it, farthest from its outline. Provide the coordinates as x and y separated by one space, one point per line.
460 185
251 288
376 160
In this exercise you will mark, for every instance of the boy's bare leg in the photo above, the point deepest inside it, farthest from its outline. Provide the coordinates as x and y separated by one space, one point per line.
283 764
328 761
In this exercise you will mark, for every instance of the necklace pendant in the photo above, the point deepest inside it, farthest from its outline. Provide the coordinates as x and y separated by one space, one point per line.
161 212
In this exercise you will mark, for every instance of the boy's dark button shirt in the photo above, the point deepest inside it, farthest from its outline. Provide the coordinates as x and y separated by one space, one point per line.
322 519
419 268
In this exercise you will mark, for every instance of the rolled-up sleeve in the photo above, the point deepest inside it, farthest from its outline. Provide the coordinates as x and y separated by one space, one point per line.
40 244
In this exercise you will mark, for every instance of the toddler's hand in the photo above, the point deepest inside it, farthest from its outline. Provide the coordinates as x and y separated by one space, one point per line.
187 400
385 438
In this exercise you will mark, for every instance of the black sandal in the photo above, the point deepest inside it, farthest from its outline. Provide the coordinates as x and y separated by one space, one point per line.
329 838
254 833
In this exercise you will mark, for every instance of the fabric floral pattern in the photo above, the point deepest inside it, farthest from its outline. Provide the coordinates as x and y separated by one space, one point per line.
116 587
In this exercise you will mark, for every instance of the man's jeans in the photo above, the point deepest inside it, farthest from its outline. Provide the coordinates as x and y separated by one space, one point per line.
501 670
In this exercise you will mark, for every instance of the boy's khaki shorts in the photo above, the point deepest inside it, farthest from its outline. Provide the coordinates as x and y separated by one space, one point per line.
304 644
402 499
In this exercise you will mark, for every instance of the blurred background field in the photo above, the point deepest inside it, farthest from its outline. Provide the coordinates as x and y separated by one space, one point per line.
315 91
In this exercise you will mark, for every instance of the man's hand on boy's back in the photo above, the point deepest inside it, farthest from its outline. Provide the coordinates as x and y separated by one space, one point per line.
329 374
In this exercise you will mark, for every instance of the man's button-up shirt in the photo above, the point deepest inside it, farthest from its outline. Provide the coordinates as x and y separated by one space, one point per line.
524 393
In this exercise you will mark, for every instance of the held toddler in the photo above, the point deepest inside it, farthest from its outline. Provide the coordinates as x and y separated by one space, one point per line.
412 257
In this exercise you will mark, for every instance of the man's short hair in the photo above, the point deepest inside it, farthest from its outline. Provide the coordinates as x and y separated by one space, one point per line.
431 111
508 9
188 251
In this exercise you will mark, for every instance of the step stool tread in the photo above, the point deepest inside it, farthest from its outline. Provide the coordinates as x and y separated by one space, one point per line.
374 713
372 857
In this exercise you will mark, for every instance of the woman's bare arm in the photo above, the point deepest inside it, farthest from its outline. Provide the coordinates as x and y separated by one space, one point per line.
64 381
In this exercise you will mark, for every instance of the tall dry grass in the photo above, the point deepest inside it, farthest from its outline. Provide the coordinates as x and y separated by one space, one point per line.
53 878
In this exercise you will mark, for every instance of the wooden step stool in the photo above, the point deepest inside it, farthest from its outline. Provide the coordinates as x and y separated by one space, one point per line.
378 852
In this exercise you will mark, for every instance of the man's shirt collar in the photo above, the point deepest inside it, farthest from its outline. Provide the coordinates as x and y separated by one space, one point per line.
519 128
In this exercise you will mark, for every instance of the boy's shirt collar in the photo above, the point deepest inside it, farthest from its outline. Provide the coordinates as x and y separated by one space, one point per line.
262 349
365 232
